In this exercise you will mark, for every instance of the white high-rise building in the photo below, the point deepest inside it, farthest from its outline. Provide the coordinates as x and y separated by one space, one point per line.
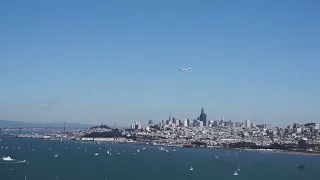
185 123
253 125
200 124
210 124
138 125
247 124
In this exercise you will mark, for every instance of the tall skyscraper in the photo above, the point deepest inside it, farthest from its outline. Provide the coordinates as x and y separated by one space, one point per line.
150 122
185 123
174 120
200 124
195 123
203 117
138 125
247 123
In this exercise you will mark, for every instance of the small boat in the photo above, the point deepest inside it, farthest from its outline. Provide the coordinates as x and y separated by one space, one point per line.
191 168
56 155
96 154
235 173
174 149
301 166
138 150
238 167
7 158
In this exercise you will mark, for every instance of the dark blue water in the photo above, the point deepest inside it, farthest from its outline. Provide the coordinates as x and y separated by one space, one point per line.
76 161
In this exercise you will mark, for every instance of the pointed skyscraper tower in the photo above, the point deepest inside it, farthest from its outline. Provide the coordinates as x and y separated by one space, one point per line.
203 117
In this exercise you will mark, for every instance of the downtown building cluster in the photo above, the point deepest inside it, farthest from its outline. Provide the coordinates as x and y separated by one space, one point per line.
200 121
224 133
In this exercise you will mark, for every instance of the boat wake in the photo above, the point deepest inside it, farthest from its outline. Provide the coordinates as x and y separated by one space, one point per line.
10 160
13 162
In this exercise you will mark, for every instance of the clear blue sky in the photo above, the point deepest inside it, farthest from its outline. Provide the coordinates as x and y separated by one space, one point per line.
117 61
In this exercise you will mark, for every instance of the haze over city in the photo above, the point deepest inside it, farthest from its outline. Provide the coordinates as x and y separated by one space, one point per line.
118 61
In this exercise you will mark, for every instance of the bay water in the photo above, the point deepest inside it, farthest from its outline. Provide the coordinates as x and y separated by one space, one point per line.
77 161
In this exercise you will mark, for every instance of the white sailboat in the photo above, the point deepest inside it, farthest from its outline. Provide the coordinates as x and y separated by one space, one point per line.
8 158
235 173
191 168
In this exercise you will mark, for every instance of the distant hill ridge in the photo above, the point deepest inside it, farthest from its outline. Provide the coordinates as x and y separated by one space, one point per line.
15 124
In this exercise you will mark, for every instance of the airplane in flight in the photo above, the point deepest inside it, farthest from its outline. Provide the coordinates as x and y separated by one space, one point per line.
185 69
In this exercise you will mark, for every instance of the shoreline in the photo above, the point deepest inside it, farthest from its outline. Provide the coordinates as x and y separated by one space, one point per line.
122 140
285 152
307 153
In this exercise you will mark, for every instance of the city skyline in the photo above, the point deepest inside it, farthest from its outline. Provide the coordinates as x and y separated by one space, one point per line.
110 61
202 121
197 121
172 124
